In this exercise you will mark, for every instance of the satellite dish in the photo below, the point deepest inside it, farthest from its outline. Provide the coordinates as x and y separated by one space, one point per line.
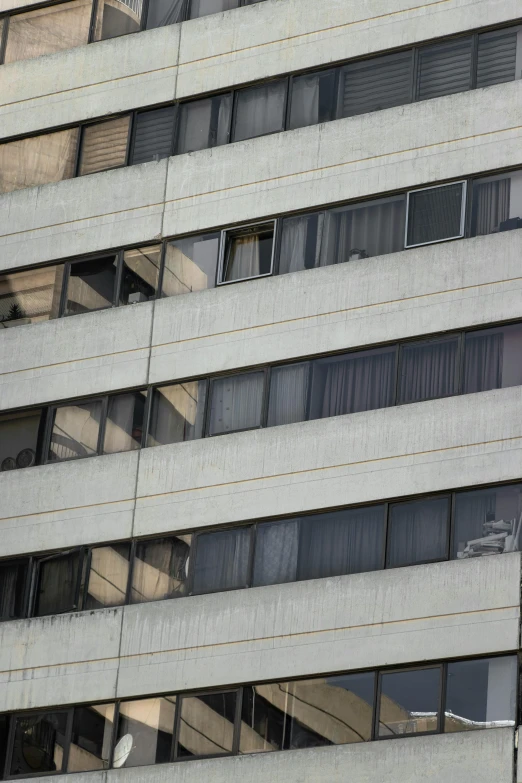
26 458
122 750
9 463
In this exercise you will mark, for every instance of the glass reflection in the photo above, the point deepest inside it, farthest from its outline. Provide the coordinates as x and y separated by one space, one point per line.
190 264
47 30
177 413
19 442
144 734
29 297
90 285
481 694
160 568
140 274
115 18
91 738
206 727
487 522
38 160
75 431
39 740
108 576
409 702
124 423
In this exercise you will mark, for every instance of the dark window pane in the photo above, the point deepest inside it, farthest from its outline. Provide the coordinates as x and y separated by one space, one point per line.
164 12
13 584
19 439
222 560
444 68
435 214
190 264
341 542
124 424
108 576
481 694
90 746
145 729
204 123
114 19
237 402
4 722
153 136
409 702
378 83
493 359
313 99
30 297
307 713
205 7
91 285
497 56
260 110
177 413
301 241
428 370
497 203
38 743
37 160
48 30
140 275
104 145
358 381
418 532
160 568
75 431
277 546
57 584
207 724
288 394
248 253
488 521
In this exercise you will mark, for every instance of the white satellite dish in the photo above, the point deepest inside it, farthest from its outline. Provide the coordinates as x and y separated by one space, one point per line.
122 750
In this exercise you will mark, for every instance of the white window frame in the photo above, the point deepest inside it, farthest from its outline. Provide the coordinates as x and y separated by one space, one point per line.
223 245
464 191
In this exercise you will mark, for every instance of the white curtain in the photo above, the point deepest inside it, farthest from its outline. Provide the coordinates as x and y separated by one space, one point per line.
305 101
260 110
236 403
277 547
288 394
243 258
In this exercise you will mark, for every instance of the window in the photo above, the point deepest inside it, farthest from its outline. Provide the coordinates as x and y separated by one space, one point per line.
375 84
276 552
481 694
153 135
39 743
38 160
428 369
124 422
160 568
247 252
207 724
493 359
435 214
90 285
444 68
108 576
260 110
13 586
312 99
497 56
90 744
497 203
236 402
140 274
199 8
58 583
190 264
20 439
488 521
204 123
31 296
104 145
409 702
222 560
164 12
288 395
145 729
418 532
177 413
114 19
4 719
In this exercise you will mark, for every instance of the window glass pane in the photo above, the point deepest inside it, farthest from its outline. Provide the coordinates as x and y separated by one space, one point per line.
57 584
145 729
428 370
248 253
377 83
409 702
48 30
435 214
91 285
164 12
13 584
497 56
444 68
222 560
177 413
124 424
341 542
418 532
481 694
260 110
307 713
237 402
288 394
190 264
38 743
313 99
205 7
117 18
153 135
277 545
359 381
301 240
160 568
75 431
493 359
104 145
90 746
204 123
30 297
108 576
373 228
207 724
38 160
497 203
139 281
488 521
19 439
4 719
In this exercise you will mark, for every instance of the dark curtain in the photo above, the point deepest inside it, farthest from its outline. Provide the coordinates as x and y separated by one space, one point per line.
491 203
222 560
277 546
57 584
483 362
418 532
9 585
428 370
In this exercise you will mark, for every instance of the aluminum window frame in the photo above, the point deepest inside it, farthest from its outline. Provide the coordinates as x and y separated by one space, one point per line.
463 208
223 246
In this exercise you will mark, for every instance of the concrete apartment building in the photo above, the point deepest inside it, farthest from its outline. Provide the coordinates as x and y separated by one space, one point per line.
261 390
